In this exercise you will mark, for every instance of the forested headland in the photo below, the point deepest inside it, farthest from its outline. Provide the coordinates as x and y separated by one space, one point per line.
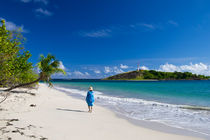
157 75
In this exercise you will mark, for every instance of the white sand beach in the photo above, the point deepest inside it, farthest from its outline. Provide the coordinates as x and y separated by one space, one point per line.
53 115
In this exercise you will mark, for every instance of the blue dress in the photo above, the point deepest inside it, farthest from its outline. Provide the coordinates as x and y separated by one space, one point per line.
90 98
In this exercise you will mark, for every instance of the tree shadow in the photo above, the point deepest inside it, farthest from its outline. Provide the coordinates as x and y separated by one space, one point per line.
62 109
19 92
26 92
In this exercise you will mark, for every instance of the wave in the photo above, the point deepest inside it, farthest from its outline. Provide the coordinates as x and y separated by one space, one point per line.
195 107
193 118
100 95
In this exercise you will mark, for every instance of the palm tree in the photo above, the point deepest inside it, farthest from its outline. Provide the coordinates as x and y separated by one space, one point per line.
48 66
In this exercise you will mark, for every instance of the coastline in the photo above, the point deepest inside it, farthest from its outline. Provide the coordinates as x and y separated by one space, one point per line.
154 125
157 126
52 114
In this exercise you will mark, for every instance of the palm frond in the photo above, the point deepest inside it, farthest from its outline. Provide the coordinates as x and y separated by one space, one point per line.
58 70
55 64
49 66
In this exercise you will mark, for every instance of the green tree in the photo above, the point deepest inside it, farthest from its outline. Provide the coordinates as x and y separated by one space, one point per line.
14 65
15 69
48 66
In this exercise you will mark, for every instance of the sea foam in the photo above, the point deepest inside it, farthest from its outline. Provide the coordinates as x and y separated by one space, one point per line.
192 118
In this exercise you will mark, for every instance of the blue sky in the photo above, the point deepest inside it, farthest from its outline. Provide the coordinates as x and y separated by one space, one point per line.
98 38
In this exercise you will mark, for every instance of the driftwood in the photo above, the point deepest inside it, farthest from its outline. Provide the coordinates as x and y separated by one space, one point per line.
5 97
7 94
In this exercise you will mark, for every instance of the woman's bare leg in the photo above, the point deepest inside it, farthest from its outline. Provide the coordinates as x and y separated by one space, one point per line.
89 109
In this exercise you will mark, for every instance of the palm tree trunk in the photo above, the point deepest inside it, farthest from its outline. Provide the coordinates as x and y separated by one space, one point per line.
22 85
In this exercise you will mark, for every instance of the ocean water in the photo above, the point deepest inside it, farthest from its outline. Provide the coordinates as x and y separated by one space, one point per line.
180 104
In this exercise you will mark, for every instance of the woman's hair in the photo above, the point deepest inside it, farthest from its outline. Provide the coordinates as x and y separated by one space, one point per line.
90 88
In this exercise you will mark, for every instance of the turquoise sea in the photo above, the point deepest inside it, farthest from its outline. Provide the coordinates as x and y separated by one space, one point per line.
180 104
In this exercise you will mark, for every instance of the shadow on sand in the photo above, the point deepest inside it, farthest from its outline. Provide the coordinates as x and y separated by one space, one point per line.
62 109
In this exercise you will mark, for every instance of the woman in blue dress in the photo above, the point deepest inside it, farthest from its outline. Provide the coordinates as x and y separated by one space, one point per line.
90 99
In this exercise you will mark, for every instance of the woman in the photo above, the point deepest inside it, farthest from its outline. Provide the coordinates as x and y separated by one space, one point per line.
90 99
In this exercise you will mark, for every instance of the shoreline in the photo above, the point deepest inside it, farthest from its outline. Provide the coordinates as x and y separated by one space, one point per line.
157 126
54 115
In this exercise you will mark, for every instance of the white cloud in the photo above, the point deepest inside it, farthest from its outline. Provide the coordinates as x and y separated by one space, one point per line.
145 25
119 29
173 23
157 26
43 12
144 68
150 26
97 71
107 69
25 1
68 73
61 66
42 1
117 70
78 73
113 70
196 68
86 73
199 68
13 27
168 68
123 66
97 33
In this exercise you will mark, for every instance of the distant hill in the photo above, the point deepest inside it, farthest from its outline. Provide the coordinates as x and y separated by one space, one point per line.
157 75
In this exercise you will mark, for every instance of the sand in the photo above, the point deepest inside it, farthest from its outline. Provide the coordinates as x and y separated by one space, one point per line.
53 115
